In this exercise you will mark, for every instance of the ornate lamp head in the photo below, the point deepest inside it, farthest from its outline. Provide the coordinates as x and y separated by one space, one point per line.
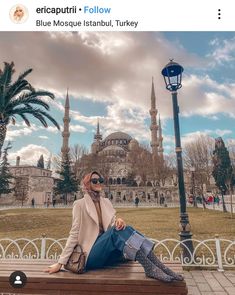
172 74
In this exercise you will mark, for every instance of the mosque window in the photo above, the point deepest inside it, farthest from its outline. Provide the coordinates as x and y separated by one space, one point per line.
118 180
110 181
123 180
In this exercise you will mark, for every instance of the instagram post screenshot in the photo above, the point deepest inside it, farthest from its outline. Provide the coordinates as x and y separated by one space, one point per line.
117 147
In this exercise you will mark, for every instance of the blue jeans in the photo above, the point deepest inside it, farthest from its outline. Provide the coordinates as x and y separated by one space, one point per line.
108 247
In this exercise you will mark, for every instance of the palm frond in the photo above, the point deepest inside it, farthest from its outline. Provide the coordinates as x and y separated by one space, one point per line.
21 98
41 119
25 119
21 110
27 101
49 117
6 75
16 88
24 74
29 106
36 112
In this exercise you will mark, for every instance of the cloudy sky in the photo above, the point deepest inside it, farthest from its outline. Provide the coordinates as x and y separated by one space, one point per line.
109 77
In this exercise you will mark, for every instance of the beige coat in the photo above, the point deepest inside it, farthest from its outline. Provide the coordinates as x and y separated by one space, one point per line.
85 225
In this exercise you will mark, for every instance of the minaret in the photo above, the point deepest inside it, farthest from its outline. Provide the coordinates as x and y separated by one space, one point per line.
95 147
160 148
154 126
98 136
65 133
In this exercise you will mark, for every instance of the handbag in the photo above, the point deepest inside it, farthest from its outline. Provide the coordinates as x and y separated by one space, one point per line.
77 259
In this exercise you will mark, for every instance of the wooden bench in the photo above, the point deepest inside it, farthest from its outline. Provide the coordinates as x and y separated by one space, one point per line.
122 279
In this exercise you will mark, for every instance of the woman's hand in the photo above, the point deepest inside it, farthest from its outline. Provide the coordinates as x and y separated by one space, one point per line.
120 224
53 268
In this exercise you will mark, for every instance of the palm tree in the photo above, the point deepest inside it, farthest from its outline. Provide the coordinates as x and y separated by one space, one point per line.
20 98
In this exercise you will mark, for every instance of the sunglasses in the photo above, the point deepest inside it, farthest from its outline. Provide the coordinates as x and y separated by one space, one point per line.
96 180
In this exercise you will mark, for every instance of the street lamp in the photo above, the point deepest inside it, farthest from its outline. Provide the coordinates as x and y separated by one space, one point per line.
172 74
192 169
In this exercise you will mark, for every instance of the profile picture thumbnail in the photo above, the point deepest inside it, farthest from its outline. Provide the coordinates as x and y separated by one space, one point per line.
18 14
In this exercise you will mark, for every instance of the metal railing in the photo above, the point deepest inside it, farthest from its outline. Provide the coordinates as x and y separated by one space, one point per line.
115 204
214 253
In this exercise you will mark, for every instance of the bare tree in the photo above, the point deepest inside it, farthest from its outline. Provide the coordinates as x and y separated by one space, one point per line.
198 154
155 171
141 162
77 152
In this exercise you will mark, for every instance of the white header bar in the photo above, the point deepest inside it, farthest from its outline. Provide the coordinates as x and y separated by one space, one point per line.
117 15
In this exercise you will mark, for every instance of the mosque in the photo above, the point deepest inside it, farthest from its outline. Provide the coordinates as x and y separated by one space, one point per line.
114 152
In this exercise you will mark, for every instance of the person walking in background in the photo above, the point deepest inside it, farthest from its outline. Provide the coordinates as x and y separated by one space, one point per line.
149 198
137 200
54 201
48 202
111 197
161 200
107 239
33 202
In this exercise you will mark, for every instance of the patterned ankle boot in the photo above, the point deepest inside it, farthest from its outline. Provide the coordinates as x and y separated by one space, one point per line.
150 269
152 257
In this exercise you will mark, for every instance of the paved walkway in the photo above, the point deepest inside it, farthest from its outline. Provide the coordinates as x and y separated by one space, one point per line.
210 282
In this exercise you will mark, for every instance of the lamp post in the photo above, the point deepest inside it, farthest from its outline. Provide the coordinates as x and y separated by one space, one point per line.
192 169
172 74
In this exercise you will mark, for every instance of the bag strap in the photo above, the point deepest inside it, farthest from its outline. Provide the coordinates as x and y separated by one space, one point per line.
78 247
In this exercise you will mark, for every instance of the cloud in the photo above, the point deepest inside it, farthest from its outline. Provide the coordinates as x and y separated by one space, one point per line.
116 68
20 129
130 121
222 132
222 51
77 128
29 154
206 97
191 136
12 134
53 129
103 66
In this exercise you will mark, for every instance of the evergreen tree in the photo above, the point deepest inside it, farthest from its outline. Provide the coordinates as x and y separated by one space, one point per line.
5 175
40 163
222 169
67 182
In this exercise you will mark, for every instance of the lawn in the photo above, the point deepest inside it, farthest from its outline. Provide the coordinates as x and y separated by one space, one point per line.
158 223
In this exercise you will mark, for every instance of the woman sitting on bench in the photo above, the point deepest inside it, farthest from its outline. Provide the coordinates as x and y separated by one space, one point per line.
106 238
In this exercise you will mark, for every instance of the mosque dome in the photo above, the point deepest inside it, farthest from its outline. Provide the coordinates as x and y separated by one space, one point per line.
113 150
117 138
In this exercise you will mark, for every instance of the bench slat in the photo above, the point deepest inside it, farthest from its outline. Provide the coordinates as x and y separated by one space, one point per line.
122 279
